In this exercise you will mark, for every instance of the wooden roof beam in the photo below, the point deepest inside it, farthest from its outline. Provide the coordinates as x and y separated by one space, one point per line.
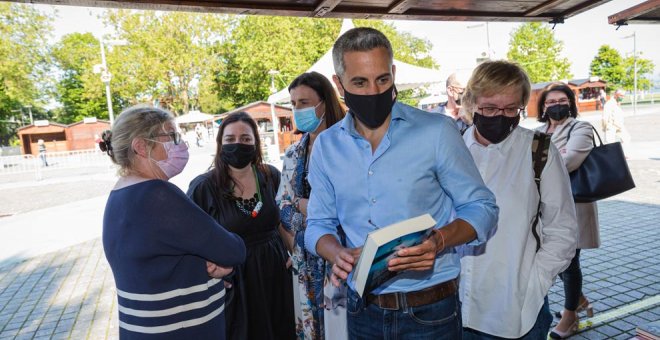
633 12
325 7
400 7
542 8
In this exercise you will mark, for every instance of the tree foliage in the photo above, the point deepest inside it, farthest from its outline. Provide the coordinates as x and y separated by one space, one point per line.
645 69
258 44
24 54
619 72
534 47
168 55
608 65
79 90
291 45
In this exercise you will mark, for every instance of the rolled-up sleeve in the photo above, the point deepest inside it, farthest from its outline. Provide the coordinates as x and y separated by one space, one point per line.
322 207
460 179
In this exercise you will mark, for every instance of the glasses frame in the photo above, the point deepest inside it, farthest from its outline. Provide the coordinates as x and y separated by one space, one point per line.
490 111
174 136
552 102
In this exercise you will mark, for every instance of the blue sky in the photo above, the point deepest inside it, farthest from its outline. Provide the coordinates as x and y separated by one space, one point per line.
456 45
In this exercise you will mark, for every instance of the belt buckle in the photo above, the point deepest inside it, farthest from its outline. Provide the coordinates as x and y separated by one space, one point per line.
396 300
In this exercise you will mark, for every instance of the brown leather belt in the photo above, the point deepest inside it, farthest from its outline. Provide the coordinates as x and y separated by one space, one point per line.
395 301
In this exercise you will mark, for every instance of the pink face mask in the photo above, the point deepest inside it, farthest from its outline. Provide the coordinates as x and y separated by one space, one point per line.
177 158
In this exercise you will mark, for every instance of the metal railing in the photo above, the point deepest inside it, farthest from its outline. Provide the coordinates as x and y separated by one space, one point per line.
53 161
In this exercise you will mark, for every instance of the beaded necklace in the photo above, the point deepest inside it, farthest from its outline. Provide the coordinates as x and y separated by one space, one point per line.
257 207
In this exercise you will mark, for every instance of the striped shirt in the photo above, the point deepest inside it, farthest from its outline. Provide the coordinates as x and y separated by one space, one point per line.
157 242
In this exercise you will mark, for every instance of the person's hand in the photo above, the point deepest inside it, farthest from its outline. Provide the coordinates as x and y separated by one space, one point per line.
302 205
420 257
343 264
217 272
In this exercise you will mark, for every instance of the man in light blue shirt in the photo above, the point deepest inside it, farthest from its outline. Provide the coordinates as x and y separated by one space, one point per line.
383 163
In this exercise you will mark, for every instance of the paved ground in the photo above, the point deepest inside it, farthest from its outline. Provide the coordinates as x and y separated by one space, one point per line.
55 282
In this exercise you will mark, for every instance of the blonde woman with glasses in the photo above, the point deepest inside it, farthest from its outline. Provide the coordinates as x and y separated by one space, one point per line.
168 257
504 283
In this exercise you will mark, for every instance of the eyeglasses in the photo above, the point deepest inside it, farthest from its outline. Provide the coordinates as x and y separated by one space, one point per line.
552 102
457 90
493 110
175 136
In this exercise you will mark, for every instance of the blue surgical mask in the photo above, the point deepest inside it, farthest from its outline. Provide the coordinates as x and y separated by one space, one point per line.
306 119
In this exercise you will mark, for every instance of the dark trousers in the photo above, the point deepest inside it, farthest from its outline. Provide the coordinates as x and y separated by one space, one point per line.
572 278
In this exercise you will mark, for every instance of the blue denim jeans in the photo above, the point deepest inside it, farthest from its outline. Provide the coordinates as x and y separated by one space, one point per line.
438 320
539 331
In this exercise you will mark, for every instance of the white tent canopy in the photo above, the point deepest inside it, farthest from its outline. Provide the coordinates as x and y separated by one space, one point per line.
193 117
407 76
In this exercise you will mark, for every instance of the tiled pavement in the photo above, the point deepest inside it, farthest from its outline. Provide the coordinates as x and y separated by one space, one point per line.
70 294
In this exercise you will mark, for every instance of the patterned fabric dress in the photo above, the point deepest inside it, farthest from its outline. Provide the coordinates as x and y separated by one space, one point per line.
309 270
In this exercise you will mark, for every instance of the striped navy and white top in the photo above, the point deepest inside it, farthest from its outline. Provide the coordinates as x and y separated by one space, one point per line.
157 242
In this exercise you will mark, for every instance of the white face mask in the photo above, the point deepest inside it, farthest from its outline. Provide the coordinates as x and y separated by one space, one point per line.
177 158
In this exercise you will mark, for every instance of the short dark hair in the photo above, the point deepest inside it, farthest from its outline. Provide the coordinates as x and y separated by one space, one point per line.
323 88
359 39
560 87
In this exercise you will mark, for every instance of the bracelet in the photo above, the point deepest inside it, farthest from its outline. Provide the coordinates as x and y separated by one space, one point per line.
443 240
296 203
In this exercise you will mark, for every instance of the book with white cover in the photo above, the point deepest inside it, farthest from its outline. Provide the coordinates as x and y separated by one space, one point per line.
382 245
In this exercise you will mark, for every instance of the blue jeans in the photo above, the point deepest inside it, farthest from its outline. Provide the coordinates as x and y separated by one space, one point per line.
539 331
438 320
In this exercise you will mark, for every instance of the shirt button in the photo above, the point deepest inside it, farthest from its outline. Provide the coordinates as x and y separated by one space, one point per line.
371 172
373 200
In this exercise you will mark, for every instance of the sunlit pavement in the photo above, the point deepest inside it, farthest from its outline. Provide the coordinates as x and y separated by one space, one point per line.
55 282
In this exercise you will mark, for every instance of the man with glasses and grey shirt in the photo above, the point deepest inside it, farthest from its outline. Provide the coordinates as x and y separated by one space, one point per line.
383 163
455 87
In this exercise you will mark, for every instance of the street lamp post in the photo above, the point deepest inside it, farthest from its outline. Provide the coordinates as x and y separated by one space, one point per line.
29 107
106 75
273 116
634 36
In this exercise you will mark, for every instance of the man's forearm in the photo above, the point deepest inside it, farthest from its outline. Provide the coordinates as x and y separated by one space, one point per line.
328 247
453 234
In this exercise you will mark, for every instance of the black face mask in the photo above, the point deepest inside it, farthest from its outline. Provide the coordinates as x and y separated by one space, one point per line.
238 155
371 110
495 129
558 112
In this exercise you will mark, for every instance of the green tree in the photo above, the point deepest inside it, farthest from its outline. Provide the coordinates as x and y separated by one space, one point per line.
645 69
168 55
24 33
407 48
258 44
608 65
534 47
291 46
79 90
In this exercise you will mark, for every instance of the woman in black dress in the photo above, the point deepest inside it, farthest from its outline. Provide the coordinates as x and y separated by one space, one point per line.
239 192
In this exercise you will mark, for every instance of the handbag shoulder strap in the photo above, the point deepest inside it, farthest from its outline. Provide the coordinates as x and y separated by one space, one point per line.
571 130
540 149
593 137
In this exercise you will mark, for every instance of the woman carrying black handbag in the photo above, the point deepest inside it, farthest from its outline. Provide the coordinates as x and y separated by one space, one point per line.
559 110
